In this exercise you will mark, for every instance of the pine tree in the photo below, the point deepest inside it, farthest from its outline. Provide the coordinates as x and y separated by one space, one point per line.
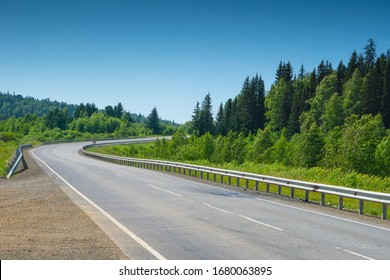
220 126
340 76
352 65
206 116
301 72
118 110
373 90
370 54
196 120
251 105
153 121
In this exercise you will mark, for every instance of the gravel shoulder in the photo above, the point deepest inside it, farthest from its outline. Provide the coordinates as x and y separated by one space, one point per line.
39 221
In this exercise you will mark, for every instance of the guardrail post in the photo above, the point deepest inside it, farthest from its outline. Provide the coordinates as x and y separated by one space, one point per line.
306 195
292 193
279 189
238 182
221 179
340 207
322 201
384 211
257 185
361 205
246 183
229 180
267 188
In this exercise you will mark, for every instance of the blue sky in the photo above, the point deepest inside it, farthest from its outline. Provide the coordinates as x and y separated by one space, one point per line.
170 54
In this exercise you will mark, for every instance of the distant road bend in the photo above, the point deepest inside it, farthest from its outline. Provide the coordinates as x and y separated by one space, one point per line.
154 215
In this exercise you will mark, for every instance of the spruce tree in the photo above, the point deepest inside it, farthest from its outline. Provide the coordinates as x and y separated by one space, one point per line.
206 116
370 54
153 121
220 126
352 65
196 120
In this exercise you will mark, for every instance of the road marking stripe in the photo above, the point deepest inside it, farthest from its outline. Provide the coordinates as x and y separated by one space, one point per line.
326 215
161 189
258 222
55 151
356 254
219 209
112 219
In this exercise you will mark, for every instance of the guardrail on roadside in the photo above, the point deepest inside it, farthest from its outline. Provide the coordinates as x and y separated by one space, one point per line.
199 172
17 159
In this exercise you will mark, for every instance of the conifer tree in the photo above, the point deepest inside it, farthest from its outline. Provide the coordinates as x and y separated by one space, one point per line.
196 120
370 54
206 116
220 126
153 121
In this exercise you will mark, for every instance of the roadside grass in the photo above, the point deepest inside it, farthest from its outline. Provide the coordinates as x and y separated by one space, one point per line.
319 175
7 150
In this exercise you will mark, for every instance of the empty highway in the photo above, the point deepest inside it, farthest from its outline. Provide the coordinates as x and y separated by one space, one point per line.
154 215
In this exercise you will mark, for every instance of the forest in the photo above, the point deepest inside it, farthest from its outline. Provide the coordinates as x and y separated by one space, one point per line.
28 120
325 119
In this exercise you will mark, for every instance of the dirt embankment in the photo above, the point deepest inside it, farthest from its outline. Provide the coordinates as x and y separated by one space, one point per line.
39 221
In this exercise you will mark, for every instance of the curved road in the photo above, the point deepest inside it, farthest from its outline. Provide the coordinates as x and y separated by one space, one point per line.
153 215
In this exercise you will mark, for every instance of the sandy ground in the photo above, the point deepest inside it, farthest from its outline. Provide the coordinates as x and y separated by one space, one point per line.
39 221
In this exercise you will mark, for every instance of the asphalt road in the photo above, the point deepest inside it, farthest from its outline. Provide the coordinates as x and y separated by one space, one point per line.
153 215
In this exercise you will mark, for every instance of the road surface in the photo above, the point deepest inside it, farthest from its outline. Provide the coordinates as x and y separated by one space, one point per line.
154 215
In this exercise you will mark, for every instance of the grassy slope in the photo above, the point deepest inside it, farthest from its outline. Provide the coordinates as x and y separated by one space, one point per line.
7 150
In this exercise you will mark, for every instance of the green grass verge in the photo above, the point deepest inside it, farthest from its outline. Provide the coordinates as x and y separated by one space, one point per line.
7 151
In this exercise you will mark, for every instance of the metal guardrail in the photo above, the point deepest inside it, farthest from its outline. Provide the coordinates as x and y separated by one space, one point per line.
199 171
17 159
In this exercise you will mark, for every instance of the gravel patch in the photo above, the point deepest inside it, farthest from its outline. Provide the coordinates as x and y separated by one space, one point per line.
39 221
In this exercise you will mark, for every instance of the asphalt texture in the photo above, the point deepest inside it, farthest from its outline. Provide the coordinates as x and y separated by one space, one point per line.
156 215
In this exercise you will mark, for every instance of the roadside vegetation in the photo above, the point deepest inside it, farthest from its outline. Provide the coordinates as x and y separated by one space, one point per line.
27 120
8 146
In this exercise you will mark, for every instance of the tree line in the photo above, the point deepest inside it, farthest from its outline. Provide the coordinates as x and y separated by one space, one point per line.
334 118
68 122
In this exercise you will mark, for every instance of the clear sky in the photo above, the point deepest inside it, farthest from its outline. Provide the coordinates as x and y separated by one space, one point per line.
170 54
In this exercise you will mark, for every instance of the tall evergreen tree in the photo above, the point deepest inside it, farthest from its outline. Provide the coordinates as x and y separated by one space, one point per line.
251 105
118 110
153 121
206 116
352 65
370 54
373 90
220 126
340 76
301 72
230 115
196 120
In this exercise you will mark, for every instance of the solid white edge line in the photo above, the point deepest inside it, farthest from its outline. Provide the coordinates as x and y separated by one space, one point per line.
322 214
219 209
258 222
112 219
164 190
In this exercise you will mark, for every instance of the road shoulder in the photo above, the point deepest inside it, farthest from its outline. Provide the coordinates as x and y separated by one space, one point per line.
39 221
